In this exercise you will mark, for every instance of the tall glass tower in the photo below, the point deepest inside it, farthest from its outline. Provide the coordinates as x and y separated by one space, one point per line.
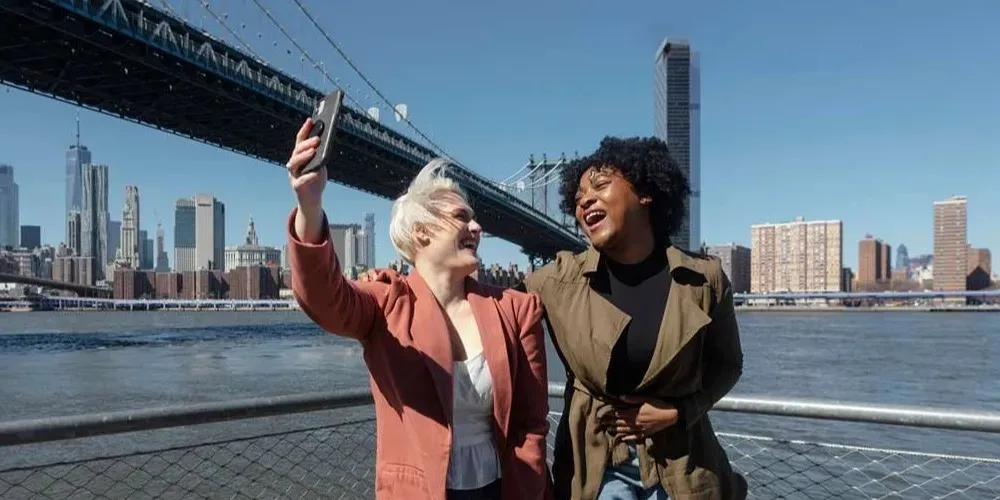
10 218
94 218
677 121
76 157
185 235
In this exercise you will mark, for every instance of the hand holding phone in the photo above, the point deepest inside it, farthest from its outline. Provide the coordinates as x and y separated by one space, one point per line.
325 127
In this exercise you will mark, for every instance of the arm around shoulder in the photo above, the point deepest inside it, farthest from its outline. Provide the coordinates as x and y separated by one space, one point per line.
529 424
331 300
723 353
534 282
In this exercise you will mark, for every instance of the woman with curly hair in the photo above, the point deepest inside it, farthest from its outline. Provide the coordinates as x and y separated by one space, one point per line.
647 332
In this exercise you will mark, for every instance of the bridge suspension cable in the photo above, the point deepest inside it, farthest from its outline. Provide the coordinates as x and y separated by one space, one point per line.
550 175
371 84
515 174
205 5
551 172
316 64
249 48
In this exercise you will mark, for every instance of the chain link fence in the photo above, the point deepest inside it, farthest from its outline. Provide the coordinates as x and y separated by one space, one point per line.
778 468
335 461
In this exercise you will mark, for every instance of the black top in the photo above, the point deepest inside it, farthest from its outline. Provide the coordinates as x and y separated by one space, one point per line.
639 290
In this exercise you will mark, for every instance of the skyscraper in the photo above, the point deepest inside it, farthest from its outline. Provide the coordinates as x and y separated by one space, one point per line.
145 250
902 257
94 218
31 237
10 216
951 243
874 261
162 260
798 256
345 238
735 261
210 230
74 235
185 235
76 157
131 243
677 121
114 240
369 241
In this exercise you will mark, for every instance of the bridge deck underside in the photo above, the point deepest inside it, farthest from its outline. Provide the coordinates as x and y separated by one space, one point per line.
57 53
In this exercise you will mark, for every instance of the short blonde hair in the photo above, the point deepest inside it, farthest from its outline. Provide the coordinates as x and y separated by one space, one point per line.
421 205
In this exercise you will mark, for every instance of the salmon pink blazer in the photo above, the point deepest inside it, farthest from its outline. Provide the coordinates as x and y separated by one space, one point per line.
407 349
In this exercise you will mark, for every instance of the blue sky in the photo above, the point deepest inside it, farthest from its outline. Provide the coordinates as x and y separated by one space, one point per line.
853 110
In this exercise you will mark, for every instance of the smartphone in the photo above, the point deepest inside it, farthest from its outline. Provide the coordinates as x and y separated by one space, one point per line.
325 127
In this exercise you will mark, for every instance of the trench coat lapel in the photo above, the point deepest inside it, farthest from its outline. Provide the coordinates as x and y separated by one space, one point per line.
494 338
682 320
429 331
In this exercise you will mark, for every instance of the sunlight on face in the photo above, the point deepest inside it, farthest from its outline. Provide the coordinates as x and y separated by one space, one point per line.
452 241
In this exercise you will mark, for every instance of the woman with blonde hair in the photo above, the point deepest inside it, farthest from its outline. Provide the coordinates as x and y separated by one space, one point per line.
457 367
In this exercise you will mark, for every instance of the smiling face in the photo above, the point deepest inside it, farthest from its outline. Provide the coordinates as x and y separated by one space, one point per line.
451 242
607 206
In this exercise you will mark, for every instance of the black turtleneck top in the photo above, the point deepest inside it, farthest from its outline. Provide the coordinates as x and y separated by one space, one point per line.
639 290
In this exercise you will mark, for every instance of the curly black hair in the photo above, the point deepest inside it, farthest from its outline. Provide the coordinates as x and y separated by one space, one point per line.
647 164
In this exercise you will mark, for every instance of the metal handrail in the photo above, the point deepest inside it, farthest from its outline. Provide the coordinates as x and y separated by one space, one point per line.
904 416
95 424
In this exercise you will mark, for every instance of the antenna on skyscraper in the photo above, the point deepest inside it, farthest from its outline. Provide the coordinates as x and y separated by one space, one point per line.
78 130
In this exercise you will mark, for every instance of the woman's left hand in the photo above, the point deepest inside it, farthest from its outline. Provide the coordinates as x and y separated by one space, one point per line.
645 418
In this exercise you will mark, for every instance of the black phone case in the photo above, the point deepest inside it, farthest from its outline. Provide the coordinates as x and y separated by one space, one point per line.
325 126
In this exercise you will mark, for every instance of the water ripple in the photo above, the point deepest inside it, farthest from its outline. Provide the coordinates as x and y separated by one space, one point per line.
159 337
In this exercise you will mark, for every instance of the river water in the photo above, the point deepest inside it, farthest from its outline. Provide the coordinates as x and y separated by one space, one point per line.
64 363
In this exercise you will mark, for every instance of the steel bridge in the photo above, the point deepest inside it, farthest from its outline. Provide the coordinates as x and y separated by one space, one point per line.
81 290
127 59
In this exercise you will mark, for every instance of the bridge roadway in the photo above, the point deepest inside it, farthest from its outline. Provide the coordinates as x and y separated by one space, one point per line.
81 290
127 59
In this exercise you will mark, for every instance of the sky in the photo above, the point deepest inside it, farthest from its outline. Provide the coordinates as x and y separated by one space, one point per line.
861 111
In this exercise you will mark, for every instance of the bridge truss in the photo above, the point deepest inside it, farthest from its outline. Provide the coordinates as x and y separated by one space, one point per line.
130 60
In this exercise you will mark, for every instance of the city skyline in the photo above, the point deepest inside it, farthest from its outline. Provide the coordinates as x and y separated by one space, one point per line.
824 139
369 221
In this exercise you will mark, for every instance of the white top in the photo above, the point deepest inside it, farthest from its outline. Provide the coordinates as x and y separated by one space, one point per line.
474 462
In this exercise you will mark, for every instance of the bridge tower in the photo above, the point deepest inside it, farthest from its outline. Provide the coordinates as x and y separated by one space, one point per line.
542 188
537 184
536 261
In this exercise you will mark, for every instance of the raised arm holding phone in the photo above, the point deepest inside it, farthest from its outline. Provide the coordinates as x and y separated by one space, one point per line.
458 368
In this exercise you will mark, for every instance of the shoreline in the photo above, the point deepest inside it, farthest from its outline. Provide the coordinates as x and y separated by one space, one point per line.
839 309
